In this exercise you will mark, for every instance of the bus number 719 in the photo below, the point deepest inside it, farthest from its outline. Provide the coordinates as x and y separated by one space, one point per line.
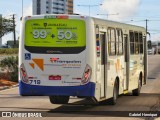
35 82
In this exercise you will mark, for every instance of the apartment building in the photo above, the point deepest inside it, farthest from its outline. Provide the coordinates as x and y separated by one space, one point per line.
52 7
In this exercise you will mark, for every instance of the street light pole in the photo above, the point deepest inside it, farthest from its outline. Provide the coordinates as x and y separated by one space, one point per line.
89 9
89 6
22 8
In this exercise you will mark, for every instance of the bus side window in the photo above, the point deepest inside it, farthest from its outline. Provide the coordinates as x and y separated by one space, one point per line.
119 43
126 52
131 35
136 42
102 40
141 43
111 41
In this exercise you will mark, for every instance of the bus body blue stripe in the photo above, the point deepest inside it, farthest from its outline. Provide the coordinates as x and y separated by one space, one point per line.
35 90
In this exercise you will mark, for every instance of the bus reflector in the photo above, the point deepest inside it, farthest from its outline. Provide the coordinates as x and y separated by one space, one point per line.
76 78
86 74
57 77
30 77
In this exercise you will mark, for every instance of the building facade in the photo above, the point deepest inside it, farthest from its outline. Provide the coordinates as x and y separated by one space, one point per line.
52 7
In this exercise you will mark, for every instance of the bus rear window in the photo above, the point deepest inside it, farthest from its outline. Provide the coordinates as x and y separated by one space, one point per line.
59 36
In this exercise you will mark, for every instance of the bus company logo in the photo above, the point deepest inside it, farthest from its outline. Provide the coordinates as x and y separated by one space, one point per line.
45 24
54 59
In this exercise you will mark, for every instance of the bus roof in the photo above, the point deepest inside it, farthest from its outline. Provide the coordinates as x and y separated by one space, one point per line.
96 20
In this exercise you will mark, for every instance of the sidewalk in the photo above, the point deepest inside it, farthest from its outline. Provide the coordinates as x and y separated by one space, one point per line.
6 84
7 87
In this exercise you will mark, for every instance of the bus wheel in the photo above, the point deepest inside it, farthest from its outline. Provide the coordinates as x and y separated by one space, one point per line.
136 92
59 99
113 100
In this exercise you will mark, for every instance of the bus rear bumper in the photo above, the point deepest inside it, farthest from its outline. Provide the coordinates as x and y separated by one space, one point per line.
87 90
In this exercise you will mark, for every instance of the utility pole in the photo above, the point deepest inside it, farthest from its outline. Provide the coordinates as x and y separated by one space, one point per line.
147 33
146 56
146 26
14 29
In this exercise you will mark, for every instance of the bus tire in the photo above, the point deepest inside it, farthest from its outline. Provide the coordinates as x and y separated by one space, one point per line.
113 100
59 99
136 92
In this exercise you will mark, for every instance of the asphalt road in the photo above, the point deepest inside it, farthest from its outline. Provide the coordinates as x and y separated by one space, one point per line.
149 100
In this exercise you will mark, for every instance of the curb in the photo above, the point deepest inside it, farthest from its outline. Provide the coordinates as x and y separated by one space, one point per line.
8 87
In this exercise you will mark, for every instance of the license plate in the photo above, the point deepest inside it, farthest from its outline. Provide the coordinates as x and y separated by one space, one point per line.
53 77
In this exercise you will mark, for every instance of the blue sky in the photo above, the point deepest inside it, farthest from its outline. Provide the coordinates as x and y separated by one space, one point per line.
136 10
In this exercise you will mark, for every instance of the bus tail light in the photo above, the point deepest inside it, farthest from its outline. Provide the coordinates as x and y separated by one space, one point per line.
86 75
24 74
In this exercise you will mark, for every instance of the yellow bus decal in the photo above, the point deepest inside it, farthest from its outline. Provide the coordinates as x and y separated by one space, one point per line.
55 33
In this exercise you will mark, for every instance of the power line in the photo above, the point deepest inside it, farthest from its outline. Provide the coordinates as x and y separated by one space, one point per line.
149 20
89 6
154 29
108 14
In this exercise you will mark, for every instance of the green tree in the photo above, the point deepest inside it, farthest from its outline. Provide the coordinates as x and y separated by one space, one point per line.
10 65
6 26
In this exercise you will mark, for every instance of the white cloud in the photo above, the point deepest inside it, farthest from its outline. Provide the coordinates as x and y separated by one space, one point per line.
124 8
28 10
155 37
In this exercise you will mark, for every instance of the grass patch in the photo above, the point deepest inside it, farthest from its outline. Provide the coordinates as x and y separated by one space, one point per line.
8 51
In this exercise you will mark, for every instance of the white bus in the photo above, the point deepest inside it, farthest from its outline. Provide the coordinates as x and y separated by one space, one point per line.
73 55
